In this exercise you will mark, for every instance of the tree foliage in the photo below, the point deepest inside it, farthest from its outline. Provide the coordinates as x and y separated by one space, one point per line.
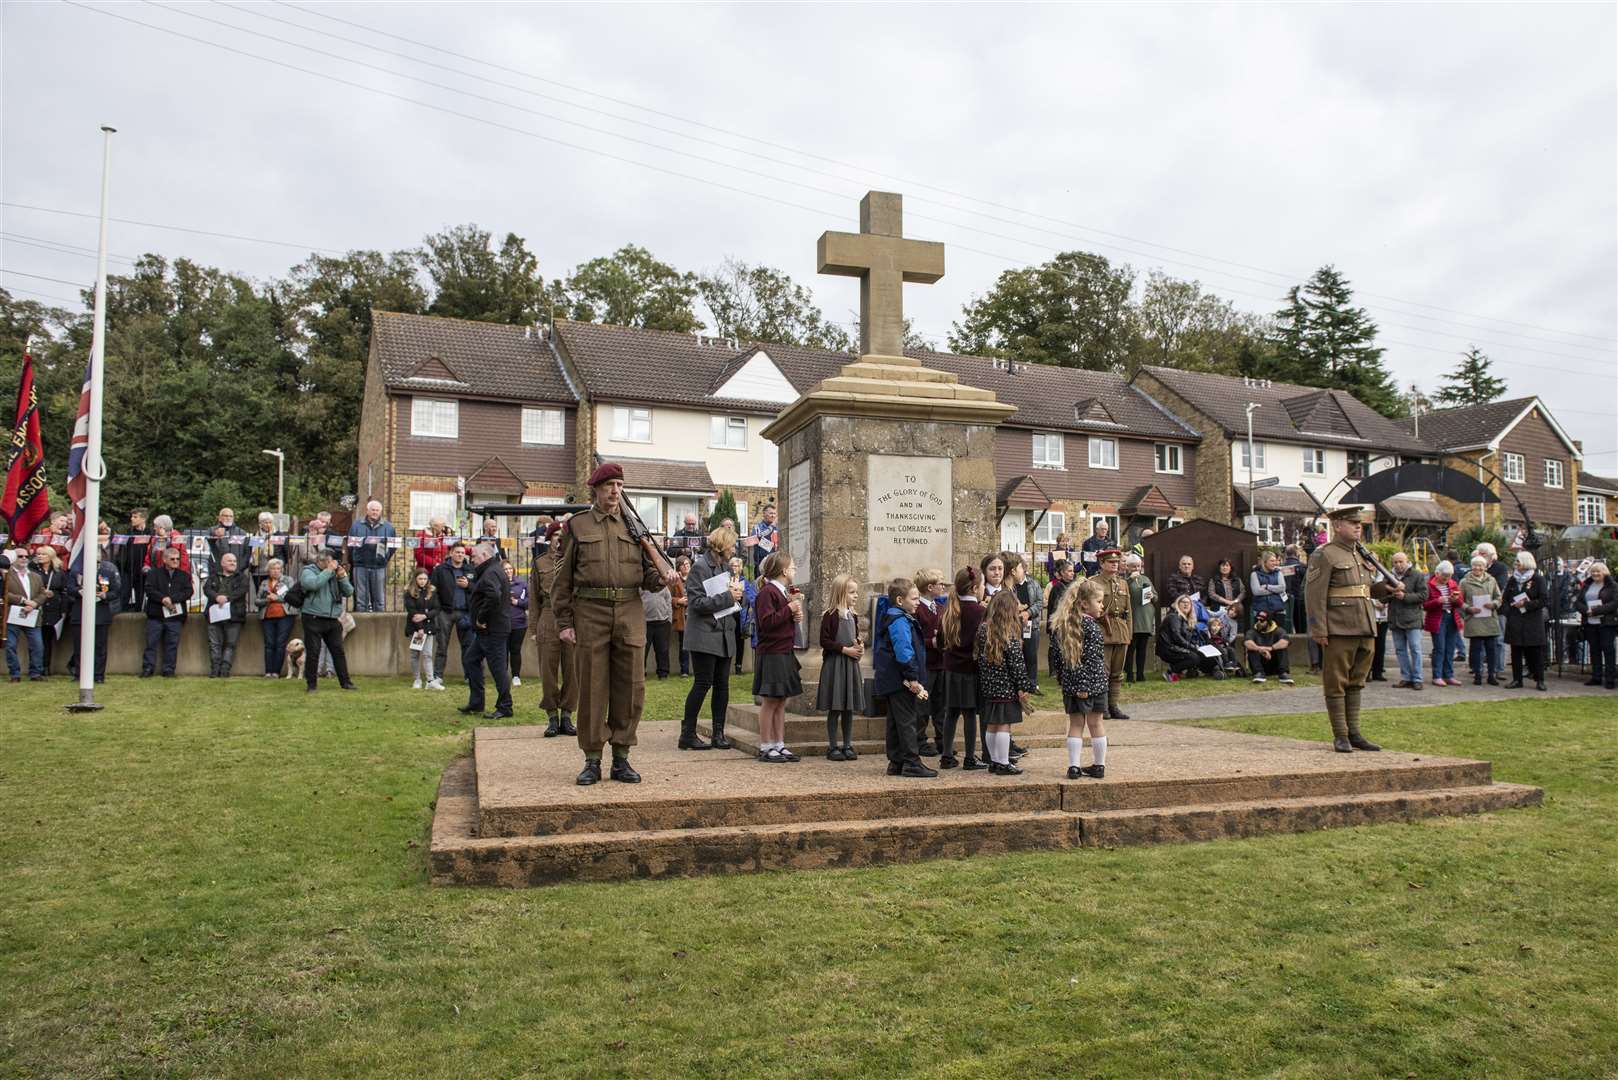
1322 339
1180 325
632 288
1073 311
761 303
1471 383
472 280
722 509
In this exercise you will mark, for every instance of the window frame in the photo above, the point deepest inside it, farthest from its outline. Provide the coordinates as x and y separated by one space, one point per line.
1258 455
1045 526
630 414
1103 441
1507 460
541 412
454 408
1561 473
1364 463
1314 461
448 515
1158 455
1591 509
1042 439
729 425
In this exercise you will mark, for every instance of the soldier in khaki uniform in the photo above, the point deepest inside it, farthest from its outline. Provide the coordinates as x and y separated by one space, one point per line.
598 608
1338 589
1116 625
557 668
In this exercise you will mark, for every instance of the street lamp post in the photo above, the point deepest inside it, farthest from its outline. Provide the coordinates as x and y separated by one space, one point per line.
280 480
1252 499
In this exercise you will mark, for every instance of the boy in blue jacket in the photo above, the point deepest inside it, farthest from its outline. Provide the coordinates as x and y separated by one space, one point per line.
900 662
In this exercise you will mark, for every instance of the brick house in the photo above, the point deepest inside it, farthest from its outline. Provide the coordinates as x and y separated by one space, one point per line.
458 412
1597 500
1302 436
1517 440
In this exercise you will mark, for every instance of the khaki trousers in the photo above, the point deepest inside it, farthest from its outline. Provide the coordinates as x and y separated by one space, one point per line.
558 669
1345 662
1116 654
611 659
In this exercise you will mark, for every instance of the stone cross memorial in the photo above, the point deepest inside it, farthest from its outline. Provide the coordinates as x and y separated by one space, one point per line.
888 466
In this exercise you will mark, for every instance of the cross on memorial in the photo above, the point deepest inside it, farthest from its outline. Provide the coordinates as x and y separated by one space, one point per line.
883 260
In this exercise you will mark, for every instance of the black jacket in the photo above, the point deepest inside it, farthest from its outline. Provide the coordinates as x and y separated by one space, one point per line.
1176 641
1606 602
56 606
237 588
444 575
421 605
491 600
107 606
1525 626
174 584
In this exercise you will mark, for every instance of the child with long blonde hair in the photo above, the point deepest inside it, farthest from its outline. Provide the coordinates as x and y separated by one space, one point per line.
842 688
1002 677
1078 659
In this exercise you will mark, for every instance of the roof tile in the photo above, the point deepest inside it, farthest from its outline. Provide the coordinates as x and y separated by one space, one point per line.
428 353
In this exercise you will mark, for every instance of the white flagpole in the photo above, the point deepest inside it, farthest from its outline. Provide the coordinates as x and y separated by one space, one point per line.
95 469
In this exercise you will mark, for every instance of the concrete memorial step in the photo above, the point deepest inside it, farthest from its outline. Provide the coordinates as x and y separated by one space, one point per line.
511 815
807 734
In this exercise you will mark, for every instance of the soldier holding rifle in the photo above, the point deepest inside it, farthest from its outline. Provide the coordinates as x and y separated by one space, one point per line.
1342 580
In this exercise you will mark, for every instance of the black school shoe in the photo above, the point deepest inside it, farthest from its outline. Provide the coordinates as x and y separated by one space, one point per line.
1075 773
972 763
997 769
848 753
894 768
1095 772
917 769
949 762
835 753
927 749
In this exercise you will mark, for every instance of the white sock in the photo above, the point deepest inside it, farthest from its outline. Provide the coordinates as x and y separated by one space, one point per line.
1075 750
1000 744
1098 748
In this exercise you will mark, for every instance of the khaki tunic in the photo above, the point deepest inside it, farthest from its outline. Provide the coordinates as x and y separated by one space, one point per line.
557 666
1338 589
597 594
1116 629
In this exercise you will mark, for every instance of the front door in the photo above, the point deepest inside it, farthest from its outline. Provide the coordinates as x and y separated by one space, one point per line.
1014 531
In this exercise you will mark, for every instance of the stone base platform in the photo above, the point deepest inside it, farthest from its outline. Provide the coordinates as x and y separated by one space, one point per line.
511 815
807 734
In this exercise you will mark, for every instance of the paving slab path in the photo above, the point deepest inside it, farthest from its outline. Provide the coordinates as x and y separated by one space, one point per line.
1302 699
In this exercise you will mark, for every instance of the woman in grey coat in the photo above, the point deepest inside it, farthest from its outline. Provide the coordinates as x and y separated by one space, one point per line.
710 638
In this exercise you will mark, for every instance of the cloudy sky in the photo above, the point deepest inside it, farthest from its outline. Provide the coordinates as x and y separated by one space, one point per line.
1459 163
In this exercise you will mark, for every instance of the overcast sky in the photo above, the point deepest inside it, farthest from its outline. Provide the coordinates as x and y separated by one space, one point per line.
1459 163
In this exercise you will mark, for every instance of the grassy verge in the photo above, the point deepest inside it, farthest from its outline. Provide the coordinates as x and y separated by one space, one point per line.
230 880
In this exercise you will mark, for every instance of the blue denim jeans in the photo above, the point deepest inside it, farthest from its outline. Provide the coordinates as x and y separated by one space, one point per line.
1482 655
277 632
1407 647
370 588
36 650
1444 639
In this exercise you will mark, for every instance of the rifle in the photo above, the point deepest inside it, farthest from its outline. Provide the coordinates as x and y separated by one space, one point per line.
639 533
1364 552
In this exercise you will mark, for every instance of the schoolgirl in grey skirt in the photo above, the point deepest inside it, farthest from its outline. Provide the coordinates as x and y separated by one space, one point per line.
841 693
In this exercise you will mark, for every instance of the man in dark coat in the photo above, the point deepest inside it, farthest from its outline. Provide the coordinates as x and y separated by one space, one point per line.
168 589
490 607
109 600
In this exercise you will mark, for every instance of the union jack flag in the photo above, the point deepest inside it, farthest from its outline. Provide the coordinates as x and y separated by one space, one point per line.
76 480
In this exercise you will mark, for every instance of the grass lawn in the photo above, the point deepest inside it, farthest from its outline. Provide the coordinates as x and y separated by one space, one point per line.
210 880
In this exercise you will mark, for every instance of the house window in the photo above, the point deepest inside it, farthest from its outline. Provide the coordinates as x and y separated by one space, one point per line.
727 432
1168 458
650 509
426 505
1103 453
1553 473
1256 461
542 427
1271 529
1048 451
1592 510
1516 468
435 419
632 425
1359 465
1314 462
1052 525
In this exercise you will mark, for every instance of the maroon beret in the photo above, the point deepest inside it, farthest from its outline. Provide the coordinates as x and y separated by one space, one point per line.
606 471
552 529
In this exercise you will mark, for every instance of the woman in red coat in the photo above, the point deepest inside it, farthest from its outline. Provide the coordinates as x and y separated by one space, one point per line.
1443 621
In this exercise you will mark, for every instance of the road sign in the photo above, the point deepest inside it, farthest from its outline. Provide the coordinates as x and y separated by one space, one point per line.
1268 481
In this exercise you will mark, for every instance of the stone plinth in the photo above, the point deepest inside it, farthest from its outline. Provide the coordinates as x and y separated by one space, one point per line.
885 459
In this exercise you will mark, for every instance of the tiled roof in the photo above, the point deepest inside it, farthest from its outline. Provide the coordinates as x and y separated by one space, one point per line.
1147 498
645 474
495 475
1289 413
1414 510
1279 499
1023 493
1468 426
1592 483
620 363
425 353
